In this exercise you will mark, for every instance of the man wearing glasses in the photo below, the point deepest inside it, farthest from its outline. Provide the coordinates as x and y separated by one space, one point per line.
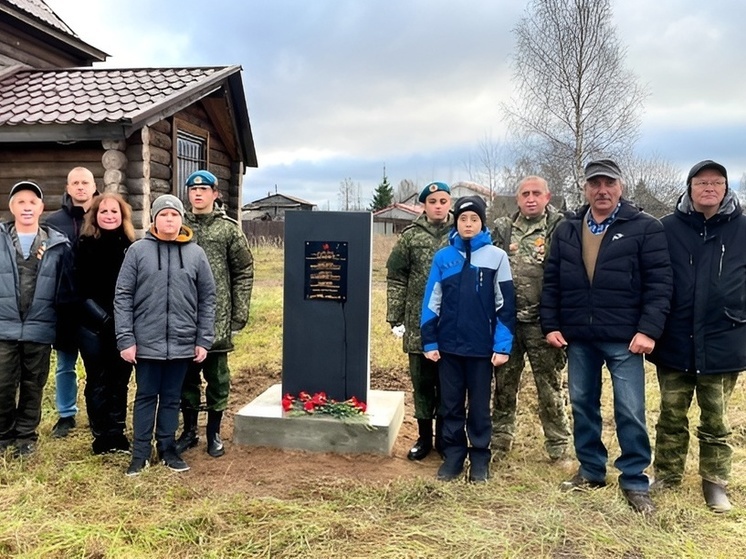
703 346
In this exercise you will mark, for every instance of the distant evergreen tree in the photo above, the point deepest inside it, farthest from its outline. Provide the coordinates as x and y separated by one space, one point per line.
383 195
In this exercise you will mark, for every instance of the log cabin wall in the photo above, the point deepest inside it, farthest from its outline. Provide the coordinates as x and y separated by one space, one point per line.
47 165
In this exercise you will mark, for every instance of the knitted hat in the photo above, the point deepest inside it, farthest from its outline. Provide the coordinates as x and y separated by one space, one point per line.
26 185
202 178
431 188
471 204
701 166
166 201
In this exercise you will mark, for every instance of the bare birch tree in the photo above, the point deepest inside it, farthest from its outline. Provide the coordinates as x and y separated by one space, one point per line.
574 100
485 165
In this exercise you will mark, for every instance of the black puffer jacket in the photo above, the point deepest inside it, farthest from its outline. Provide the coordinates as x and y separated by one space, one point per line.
706 330
632 284
68 220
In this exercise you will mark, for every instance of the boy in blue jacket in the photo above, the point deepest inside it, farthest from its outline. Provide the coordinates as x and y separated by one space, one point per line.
468 320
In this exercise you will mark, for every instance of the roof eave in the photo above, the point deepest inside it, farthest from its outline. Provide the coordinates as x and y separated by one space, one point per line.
64 41
64 132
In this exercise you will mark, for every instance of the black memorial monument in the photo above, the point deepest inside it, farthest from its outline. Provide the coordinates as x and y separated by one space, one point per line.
326 313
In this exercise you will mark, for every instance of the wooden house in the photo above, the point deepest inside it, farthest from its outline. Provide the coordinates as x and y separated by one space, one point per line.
392 220
141 131
273 207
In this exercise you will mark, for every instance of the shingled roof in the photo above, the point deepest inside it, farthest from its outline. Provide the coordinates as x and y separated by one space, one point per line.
65 104
43 13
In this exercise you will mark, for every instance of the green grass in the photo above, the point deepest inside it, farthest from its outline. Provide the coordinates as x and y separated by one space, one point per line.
65 503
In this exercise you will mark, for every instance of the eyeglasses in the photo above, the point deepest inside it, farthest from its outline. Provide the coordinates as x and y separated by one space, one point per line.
702 184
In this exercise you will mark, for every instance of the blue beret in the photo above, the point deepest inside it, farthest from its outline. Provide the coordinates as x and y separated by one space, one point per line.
433 187
202 178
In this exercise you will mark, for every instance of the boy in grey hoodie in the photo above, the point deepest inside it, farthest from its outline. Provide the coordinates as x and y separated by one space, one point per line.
164 311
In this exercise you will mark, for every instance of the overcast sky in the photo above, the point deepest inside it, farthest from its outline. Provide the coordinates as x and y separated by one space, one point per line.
338 88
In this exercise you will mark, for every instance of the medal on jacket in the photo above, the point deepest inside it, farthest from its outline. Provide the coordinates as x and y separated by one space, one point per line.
40 251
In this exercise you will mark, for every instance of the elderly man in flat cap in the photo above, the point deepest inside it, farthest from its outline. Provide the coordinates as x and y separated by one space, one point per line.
408 270
607 291
36 267
703 347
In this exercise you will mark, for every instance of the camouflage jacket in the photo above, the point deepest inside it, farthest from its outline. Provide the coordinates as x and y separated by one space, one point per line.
408 269
527 243
232 266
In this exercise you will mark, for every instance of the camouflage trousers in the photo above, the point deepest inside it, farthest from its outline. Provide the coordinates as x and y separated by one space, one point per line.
547 364
217 378
672 432
426 386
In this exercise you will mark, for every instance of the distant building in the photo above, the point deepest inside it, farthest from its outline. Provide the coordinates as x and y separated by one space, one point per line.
392 220
273 207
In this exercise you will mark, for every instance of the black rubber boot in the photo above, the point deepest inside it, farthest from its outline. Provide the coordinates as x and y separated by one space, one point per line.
189 437
215 446
424 443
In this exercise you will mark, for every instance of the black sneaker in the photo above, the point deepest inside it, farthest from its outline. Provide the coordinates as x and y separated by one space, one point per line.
24 449
63 426
174 462
136 467
579 483
449 471
639 501
479 473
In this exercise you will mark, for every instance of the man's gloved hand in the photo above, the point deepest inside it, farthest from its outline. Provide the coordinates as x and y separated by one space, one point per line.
398 330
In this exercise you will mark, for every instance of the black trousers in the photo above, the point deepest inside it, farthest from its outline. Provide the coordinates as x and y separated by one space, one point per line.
157 404
107 379
462 380
24 369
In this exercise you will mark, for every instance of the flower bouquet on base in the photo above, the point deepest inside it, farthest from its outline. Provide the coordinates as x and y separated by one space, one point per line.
352 410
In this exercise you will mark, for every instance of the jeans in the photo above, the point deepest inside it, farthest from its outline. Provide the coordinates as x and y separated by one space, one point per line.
585 360
66 391
157 402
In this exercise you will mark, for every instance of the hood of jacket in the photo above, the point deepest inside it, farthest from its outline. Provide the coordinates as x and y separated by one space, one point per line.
185 235
729 208
476 242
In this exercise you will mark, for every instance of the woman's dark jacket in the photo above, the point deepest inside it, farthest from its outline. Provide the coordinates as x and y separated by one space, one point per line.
97 265
706 330
631 290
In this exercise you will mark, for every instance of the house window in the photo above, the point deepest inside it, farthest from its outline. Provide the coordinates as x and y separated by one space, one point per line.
190 154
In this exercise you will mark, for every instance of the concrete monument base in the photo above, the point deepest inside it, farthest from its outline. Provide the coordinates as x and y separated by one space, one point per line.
263 423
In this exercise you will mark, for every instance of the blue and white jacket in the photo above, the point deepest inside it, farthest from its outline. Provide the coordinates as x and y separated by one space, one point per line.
469 304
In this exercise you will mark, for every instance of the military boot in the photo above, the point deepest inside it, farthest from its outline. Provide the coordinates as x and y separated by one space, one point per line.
215 446
189 437
715 496
424 443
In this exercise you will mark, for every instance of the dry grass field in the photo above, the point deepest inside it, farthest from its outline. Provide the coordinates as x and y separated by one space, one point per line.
64 502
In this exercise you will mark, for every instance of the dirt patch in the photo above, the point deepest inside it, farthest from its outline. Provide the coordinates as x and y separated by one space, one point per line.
267 472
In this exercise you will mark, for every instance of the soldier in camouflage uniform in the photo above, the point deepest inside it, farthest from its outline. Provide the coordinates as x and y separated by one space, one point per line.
525 237
232 266
703 346
408 269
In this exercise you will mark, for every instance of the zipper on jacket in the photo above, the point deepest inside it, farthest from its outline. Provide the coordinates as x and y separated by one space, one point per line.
722 256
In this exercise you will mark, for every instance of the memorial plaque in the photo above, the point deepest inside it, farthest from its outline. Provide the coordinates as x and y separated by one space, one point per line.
326 303
326 271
